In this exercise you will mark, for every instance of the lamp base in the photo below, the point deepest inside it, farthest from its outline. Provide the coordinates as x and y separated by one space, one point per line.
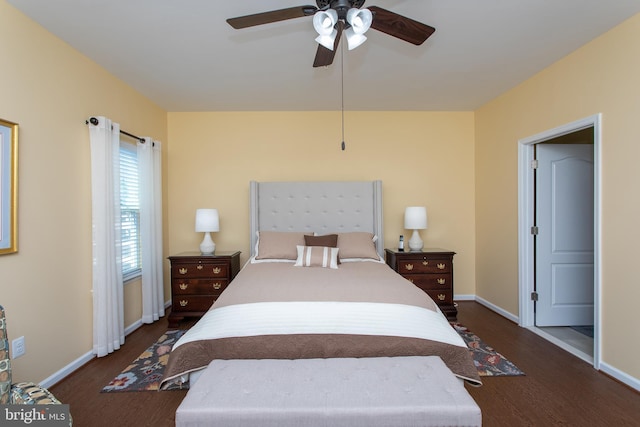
207 247
415 243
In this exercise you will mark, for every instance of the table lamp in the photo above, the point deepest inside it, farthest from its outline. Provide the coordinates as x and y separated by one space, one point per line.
207 220
415 218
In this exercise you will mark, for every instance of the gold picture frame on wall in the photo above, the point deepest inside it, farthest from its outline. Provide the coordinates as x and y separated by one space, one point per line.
8 187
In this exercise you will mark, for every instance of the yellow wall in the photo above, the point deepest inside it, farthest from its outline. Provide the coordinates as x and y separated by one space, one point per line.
50 89
462 166
423 159
601 77
46 286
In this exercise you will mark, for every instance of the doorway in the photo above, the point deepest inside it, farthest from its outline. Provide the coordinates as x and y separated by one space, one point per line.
559 282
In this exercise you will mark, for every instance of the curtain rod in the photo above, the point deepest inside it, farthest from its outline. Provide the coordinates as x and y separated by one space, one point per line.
95 122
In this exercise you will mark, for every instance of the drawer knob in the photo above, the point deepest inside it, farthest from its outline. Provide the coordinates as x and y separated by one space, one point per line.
441 281
216 270
183 286
199 267
183 302
408 266
183 270
425 263
217 285
441 297
442 266
411 280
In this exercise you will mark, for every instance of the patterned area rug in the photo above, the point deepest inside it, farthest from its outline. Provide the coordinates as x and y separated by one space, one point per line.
489 362
145 373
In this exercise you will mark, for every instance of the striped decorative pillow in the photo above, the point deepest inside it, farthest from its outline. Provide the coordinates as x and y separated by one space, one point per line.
317 256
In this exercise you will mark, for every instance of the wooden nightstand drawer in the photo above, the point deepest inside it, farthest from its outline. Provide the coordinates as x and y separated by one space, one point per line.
431 281
189 303
199 286
421 265
440 297
203 269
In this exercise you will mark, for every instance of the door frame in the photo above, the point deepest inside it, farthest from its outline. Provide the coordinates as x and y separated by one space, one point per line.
526 213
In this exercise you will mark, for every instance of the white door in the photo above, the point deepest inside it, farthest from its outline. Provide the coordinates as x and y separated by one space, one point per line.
564 244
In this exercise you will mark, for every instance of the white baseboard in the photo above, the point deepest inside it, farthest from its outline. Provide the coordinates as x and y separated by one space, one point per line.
623 377
497 309
464 297
67 370
619 375
135 325
76 364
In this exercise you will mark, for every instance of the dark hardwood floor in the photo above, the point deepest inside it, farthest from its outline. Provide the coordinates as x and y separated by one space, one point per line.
558 390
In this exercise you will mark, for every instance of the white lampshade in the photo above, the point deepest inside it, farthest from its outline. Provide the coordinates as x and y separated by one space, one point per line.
323 22
415 218
207 220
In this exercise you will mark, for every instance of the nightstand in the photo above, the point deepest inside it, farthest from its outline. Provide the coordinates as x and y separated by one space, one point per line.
197 280
431 270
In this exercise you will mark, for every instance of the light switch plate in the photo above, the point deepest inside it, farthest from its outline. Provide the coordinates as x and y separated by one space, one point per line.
17 347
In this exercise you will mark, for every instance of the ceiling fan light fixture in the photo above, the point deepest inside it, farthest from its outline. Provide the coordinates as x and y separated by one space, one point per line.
359 19
331 18
327 40
324 22
354 39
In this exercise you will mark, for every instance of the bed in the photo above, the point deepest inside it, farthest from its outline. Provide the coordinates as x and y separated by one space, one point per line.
316 287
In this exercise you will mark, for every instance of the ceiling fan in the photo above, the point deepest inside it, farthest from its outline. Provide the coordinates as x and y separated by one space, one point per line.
333 17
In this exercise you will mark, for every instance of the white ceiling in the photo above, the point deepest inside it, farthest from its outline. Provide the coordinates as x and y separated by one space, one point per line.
184 56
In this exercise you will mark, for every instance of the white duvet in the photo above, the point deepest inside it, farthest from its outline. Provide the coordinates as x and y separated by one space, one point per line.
322 317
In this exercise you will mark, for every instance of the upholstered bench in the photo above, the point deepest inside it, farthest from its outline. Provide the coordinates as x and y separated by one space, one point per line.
367 392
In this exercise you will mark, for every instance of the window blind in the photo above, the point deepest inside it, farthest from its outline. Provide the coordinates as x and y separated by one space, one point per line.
129 211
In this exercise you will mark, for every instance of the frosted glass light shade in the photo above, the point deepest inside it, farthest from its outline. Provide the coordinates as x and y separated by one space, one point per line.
360 19
323 22
354 39
327 40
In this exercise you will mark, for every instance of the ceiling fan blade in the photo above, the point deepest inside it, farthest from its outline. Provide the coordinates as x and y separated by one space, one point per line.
272 16
400 26
324 56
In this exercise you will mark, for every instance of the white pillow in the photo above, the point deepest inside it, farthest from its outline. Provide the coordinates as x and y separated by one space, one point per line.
317 256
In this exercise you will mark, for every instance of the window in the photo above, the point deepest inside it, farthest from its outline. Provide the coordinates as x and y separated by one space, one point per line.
129 211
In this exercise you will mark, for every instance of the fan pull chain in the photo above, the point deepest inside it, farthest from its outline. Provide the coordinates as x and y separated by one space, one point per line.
342 90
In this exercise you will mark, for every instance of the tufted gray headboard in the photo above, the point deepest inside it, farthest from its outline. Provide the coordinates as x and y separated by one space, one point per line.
317 206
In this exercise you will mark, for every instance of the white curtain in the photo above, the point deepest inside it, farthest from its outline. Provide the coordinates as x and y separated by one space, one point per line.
150 177
108 300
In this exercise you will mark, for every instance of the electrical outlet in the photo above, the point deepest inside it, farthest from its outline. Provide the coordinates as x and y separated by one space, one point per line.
18 348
